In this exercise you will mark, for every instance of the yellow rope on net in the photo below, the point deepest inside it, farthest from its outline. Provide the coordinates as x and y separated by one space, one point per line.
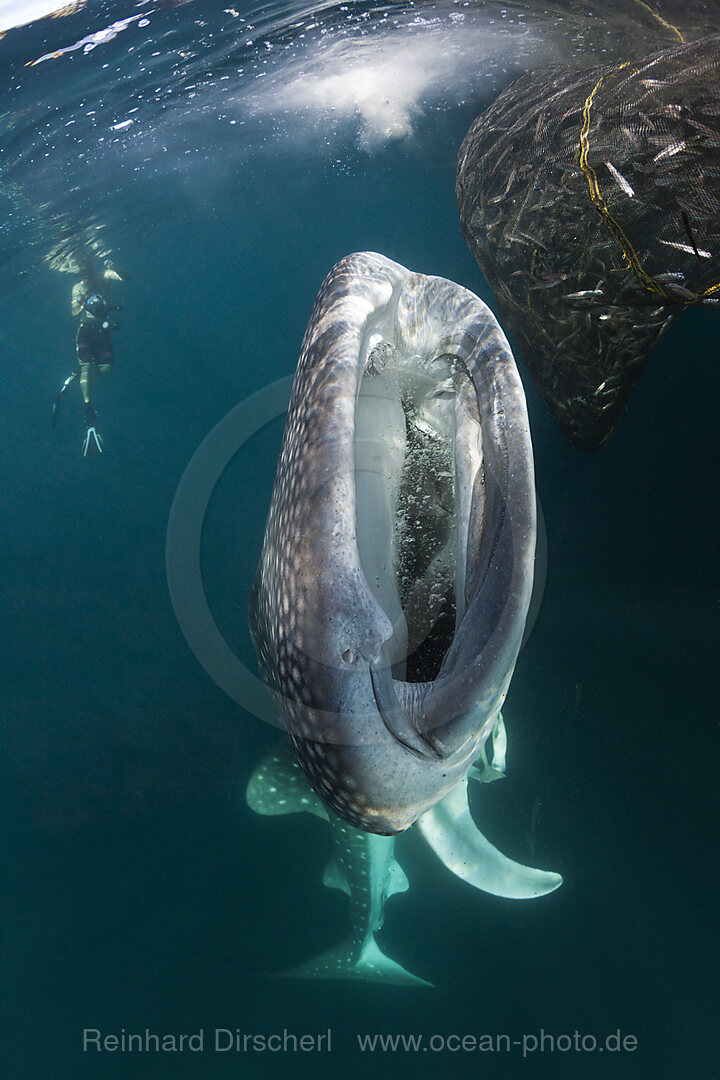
628 251
663 22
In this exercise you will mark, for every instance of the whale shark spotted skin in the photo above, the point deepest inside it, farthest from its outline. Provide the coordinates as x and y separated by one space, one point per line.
365 867
396 570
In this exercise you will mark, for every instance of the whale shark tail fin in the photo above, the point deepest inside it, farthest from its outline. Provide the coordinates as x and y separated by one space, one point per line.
342 962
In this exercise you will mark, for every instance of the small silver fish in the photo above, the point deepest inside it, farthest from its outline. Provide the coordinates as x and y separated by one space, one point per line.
620 179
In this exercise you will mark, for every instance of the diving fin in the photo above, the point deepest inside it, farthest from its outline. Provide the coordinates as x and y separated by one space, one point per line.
58 397
93 443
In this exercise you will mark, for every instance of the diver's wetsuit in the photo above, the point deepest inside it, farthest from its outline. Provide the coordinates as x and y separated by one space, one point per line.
94 345
94 349
93 340
94 353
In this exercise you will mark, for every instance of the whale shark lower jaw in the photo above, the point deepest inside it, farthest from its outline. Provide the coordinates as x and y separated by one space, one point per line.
396 572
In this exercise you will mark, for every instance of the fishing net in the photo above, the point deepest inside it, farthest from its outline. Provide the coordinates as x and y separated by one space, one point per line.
591 201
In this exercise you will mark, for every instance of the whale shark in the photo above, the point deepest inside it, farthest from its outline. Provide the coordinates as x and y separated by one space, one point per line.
396 570
365 865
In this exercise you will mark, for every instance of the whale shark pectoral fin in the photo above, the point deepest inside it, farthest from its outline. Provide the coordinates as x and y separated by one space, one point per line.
488 771
455 838
398 879
499 741
395 718
342 963
334 877
278 786
485 772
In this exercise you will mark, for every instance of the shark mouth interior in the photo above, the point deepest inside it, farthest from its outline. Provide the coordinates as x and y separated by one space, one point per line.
417 452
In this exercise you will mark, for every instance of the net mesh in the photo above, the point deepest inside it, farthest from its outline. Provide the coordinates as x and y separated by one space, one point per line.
591 201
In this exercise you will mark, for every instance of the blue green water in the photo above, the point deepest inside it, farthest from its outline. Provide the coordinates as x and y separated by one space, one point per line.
138 890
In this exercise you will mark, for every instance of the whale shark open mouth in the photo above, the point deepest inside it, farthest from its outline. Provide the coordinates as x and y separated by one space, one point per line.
418 450
406 501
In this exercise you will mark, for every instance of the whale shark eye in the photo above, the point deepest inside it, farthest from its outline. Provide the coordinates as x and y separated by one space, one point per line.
350 656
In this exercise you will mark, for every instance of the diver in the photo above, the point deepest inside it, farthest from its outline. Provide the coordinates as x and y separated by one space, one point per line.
90 306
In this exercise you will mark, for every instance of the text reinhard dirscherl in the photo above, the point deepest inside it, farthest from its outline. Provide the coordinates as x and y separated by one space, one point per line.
222 1040
219 1040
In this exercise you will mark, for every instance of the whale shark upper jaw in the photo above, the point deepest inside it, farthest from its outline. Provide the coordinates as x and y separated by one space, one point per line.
396 571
